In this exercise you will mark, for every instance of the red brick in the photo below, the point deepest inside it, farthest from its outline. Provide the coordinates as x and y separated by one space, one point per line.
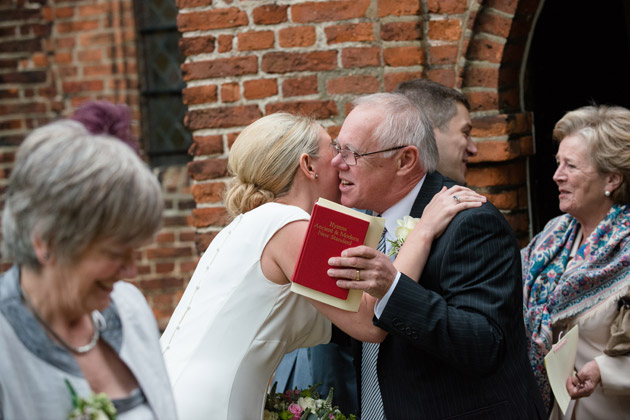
518 221
187 235
500 151
201 170
90 55
494 24
255 40
300 86
508 174
89 86
443 54
510 199
361 57
482 49
183 4
208 192
401 31
449 7
316 109
210 216
507 6
162 268
77 26
206 145
221 67
481 76
197 45
164 237
444 76
64 43
283 62
270 14
98 70
158 253
329 10
222 117
445 30
230 92
398 7
403 56
22 46
351 32
92 10
297 36
260 88
202 240
63 57
211 19
353 84
231 138
500 125
63 12
225 43
394 79
199 94
483 100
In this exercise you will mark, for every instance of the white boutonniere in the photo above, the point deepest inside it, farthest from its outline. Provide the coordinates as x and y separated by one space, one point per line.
94 407
405 225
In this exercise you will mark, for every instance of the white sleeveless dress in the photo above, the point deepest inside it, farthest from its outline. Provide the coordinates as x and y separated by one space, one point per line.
233 326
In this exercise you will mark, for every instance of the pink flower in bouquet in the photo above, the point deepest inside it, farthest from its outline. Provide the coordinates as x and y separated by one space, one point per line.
296 410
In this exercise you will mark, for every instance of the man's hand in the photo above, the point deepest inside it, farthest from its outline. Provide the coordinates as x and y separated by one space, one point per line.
363 268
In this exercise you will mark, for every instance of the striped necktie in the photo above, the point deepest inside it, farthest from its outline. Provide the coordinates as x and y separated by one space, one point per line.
371 401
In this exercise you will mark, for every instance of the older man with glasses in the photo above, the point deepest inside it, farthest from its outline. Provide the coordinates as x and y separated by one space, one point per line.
456 346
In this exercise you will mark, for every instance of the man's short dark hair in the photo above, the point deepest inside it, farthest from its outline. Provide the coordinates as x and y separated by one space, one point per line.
437 101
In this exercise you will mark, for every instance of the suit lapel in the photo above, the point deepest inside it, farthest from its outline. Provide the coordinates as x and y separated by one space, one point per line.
432 185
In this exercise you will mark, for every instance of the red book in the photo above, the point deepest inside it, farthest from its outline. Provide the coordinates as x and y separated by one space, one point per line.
332 228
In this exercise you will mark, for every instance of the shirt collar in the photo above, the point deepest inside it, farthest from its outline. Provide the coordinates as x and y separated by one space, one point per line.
400 209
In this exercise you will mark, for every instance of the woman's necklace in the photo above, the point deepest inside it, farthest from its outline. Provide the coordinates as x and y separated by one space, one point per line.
96 325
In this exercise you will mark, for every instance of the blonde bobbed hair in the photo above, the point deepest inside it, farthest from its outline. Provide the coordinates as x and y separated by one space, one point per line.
606 131
265 157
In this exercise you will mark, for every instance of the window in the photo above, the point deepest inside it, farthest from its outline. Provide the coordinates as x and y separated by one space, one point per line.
165 138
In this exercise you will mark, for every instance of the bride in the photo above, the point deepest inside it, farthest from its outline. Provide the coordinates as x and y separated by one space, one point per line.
237 317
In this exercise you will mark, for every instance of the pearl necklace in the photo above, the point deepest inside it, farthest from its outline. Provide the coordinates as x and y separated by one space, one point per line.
97 324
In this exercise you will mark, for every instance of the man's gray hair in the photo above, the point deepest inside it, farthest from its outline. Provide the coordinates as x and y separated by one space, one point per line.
70 188
403 124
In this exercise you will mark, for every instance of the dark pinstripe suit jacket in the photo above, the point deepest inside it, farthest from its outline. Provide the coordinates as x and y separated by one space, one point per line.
456 347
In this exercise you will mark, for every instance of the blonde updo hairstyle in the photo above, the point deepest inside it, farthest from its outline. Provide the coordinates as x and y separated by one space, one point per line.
265 157
606 131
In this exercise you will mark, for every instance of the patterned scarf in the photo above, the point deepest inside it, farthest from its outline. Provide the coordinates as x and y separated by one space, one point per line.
551 292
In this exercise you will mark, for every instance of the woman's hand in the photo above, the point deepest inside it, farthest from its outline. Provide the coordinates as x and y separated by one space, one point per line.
363 268
583 383
443 207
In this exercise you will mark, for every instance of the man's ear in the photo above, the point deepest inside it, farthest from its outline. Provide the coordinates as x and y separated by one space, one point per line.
306 166
408 159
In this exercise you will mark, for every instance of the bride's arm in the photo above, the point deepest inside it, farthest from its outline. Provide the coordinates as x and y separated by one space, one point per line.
278 261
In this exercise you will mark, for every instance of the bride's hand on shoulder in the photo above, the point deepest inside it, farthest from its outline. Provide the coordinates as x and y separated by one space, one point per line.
443 207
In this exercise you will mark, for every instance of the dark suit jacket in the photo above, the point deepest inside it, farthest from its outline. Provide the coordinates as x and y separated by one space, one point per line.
456 347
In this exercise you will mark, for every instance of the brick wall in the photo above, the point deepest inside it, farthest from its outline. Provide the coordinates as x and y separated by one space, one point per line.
246 59
55 54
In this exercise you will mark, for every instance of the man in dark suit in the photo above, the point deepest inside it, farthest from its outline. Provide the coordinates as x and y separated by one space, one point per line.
456 347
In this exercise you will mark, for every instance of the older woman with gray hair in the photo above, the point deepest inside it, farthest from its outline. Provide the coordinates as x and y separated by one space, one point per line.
577 270
77 207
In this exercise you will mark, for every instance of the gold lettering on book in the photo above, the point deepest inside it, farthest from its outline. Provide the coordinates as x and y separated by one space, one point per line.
336 232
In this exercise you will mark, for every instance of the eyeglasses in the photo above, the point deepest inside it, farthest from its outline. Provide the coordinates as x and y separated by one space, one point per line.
350 157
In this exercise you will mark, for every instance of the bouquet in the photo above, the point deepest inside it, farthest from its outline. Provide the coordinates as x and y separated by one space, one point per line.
94 407
301 405
405 225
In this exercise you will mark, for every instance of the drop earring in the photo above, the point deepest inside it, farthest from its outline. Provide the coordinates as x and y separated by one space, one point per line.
607 193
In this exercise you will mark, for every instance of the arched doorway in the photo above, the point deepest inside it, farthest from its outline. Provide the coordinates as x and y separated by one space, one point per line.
579 54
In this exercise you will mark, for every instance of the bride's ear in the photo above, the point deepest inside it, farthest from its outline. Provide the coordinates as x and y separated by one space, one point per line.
306 166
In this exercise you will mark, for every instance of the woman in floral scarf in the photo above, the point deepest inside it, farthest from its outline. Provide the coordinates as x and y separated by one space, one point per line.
576 270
